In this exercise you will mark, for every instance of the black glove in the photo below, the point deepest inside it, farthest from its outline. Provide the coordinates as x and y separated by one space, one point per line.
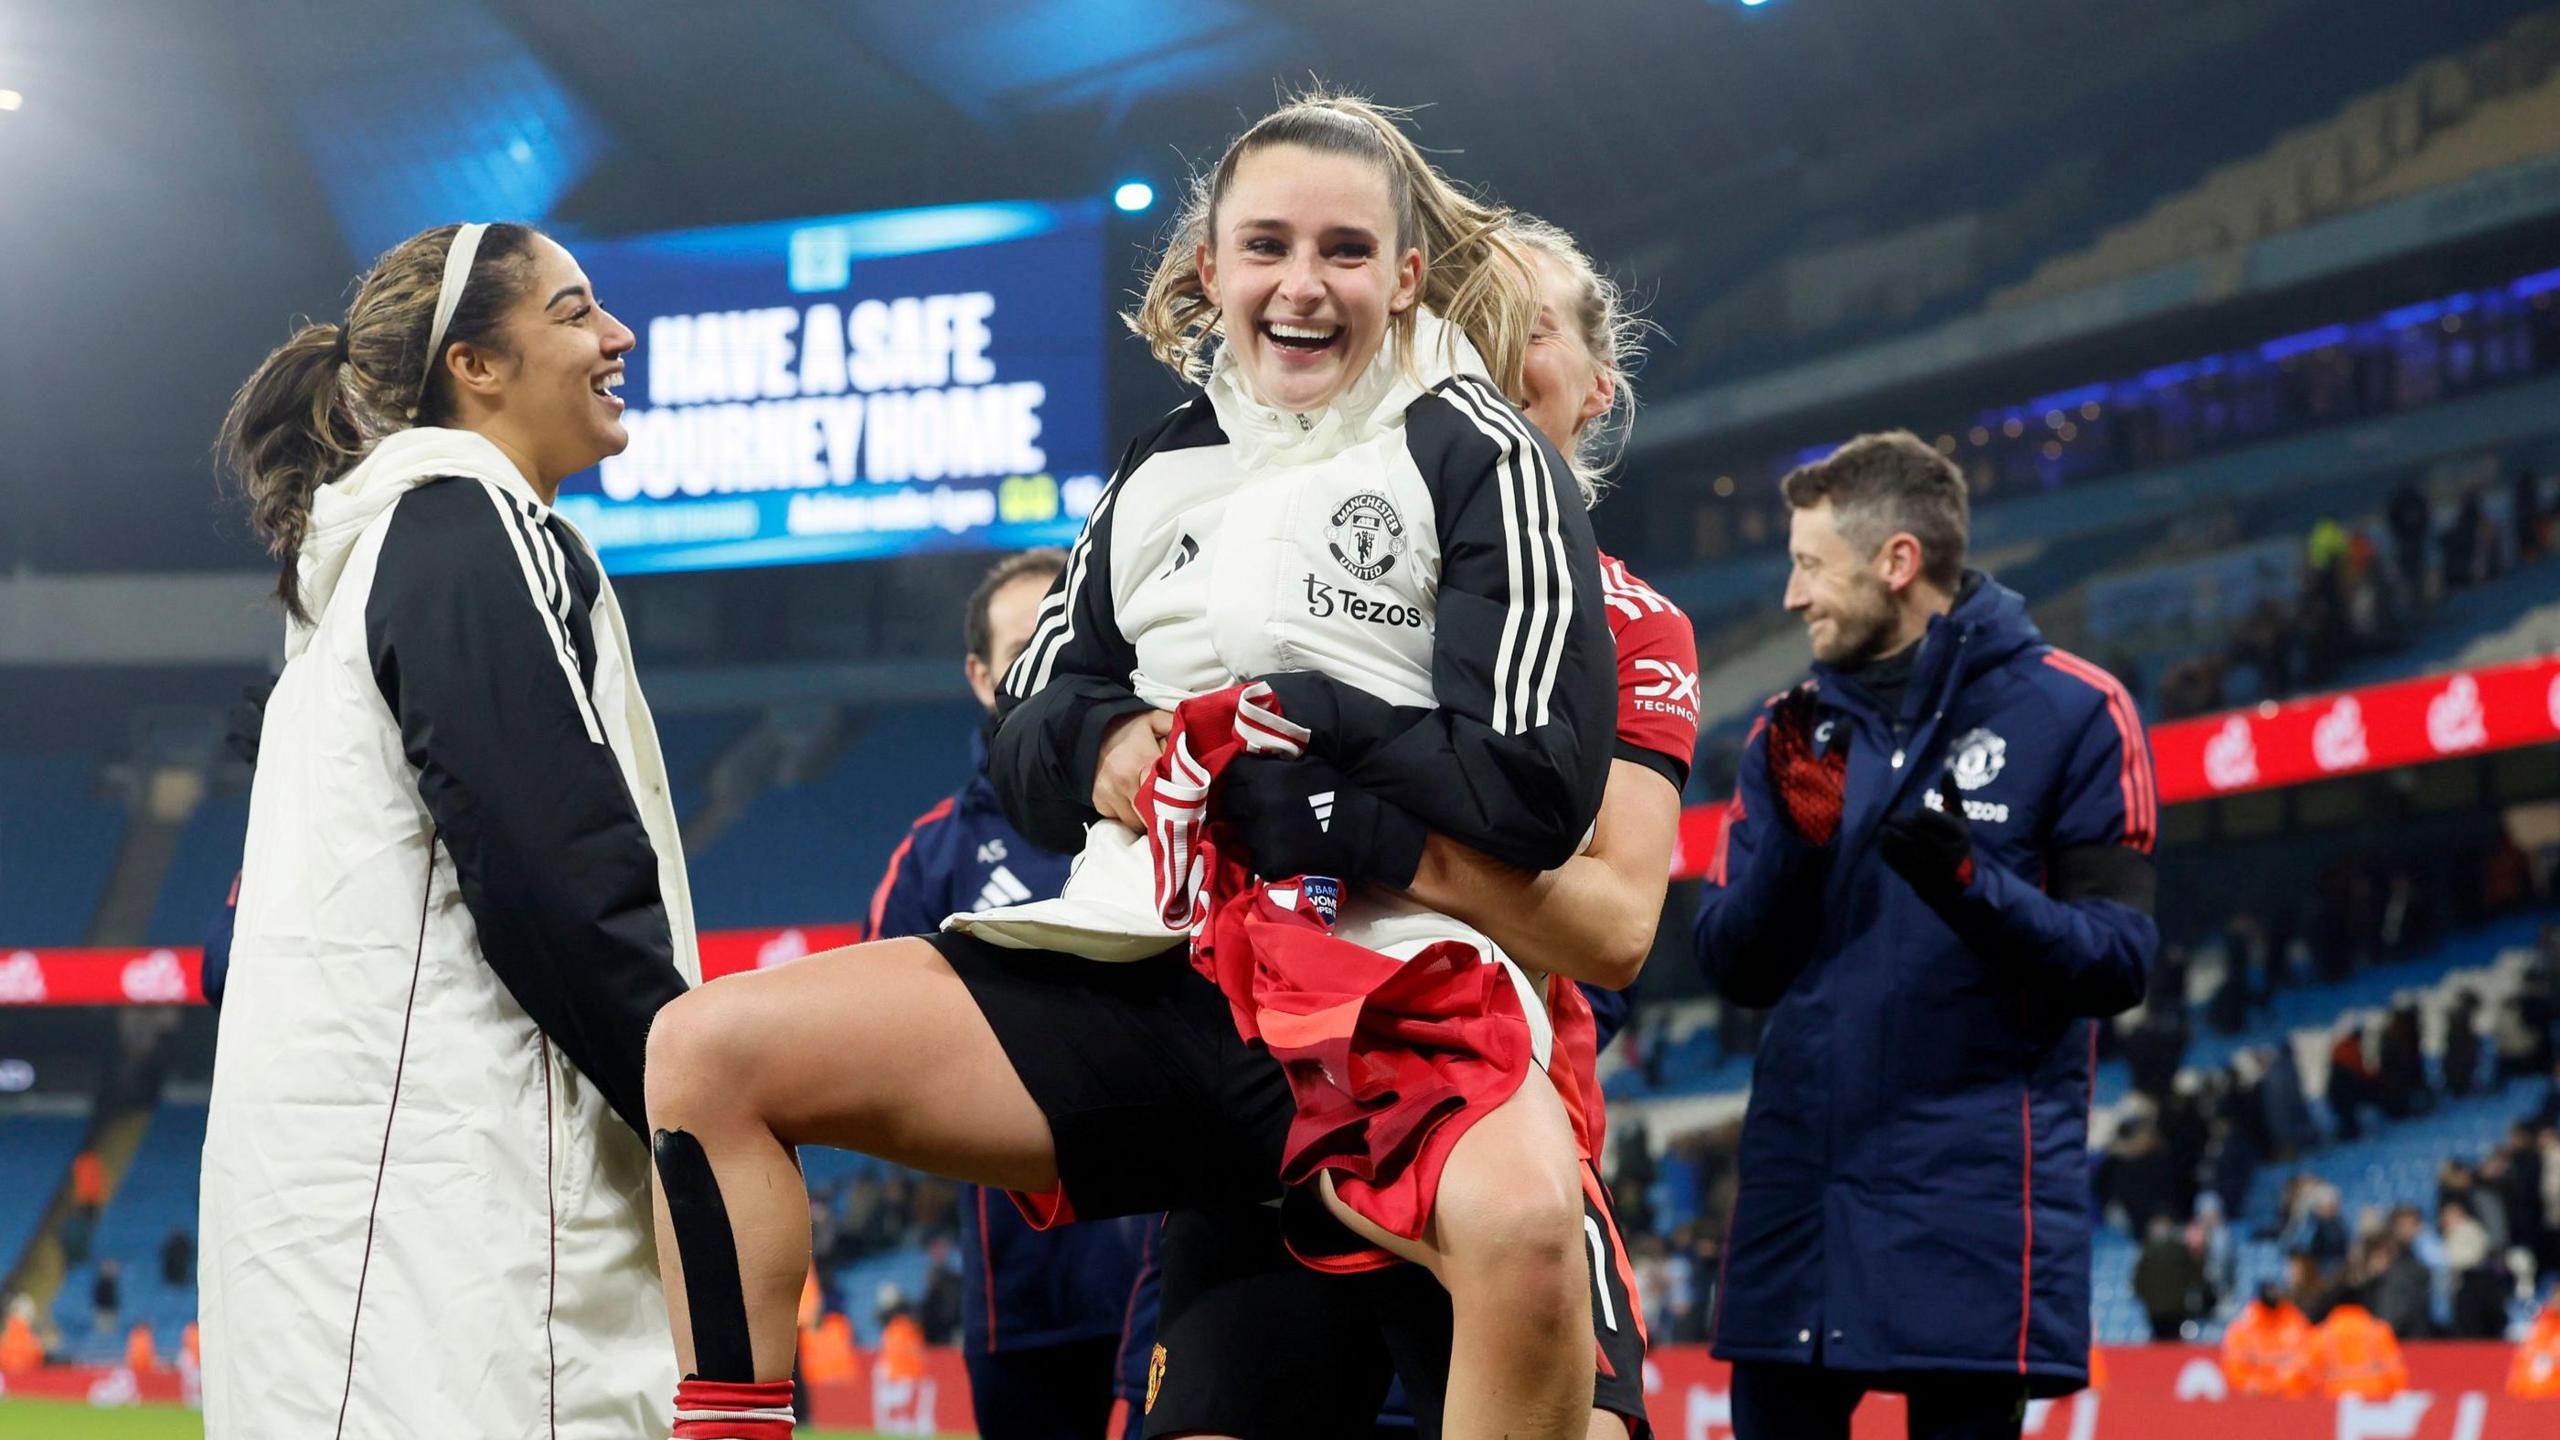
1348 721
245 721
1933 849
1810 779
1300 817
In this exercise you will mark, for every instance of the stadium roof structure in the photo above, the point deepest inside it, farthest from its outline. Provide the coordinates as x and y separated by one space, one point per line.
182 178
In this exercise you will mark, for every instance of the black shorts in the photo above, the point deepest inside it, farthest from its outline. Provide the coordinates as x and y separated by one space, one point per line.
1232 1290
1250 1343
1153 1101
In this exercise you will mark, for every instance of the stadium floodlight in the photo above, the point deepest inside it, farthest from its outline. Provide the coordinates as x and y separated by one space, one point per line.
11 99
1753 4
1134 196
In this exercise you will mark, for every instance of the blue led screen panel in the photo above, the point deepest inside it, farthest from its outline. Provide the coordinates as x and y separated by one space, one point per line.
852 387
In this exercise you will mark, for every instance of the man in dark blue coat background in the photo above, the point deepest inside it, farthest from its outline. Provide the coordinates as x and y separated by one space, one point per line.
1938 879
1042 1314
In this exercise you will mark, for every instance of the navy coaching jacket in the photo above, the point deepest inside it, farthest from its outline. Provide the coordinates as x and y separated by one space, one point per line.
1914 1185
1020 1288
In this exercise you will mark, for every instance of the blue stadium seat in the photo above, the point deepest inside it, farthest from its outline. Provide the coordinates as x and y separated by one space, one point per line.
812 853
58 843
200 873
157 1196
35 1154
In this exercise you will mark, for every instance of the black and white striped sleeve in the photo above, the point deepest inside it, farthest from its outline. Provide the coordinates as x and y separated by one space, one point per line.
479 636
1073 679
1515 759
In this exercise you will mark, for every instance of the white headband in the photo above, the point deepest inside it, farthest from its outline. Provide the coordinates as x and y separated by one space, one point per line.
457 273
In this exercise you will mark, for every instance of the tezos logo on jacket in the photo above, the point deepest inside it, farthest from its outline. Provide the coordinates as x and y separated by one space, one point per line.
1365 535
1978 759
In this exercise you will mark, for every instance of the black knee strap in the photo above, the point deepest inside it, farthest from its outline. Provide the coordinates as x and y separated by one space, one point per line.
708 1251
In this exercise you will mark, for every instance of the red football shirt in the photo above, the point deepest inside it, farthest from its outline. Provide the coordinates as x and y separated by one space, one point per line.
1657 670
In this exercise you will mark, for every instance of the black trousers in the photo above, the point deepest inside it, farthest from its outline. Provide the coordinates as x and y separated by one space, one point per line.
1802 1402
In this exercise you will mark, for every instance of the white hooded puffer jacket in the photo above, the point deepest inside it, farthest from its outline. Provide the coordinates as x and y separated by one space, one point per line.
422 1215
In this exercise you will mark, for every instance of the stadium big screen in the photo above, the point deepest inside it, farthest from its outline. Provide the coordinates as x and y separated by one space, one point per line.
852 387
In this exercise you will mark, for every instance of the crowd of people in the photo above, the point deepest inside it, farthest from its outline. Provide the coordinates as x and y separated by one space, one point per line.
2210 405
2178 1169
2367 585
2188 1145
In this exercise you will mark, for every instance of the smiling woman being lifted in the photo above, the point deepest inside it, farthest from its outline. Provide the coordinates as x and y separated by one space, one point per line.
1355 321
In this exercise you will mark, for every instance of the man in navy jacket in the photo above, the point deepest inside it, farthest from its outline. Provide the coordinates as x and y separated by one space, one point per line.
1938 879
1041 1313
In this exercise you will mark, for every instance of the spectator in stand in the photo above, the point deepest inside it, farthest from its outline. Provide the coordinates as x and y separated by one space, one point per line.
2514 1172
1685 1320
2375 618
2537 1007
2400 1083
2506 877
2231 1159
22 1349
823 1238
1706 1276
1633 1184
2351 1085
2479 1283
2409 917
2320 1234
2356 1353
2248 982
2462 1045
2457 1182
2169 1280
2137 1174
106 1298
2526 515
2209 1236
178 1259
859 1219
141 1353
2534 1374
2327 548
2470 543
901 1361
2389 1277
2290 1126
939 1313
2266 1350
1653 1278
2313 1290
2154 1050
2410 522
2523 1047
88 1184
2547 1150
2185 1126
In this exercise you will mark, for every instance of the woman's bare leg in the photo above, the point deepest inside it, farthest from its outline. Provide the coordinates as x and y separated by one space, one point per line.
1505 1240
877 1048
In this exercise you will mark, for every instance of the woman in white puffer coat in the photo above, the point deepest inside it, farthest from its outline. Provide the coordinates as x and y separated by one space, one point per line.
425 1203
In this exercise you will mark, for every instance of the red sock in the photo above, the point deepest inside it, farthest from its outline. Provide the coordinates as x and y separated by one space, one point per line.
725 1410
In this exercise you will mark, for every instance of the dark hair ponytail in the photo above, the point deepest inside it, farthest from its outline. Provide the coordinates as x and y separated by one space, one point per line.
313 408
292 429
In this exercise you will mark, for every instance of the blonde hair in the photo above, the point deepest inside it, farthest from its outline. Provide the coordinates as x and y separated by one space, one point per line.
1613 334
314 406
1473 275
